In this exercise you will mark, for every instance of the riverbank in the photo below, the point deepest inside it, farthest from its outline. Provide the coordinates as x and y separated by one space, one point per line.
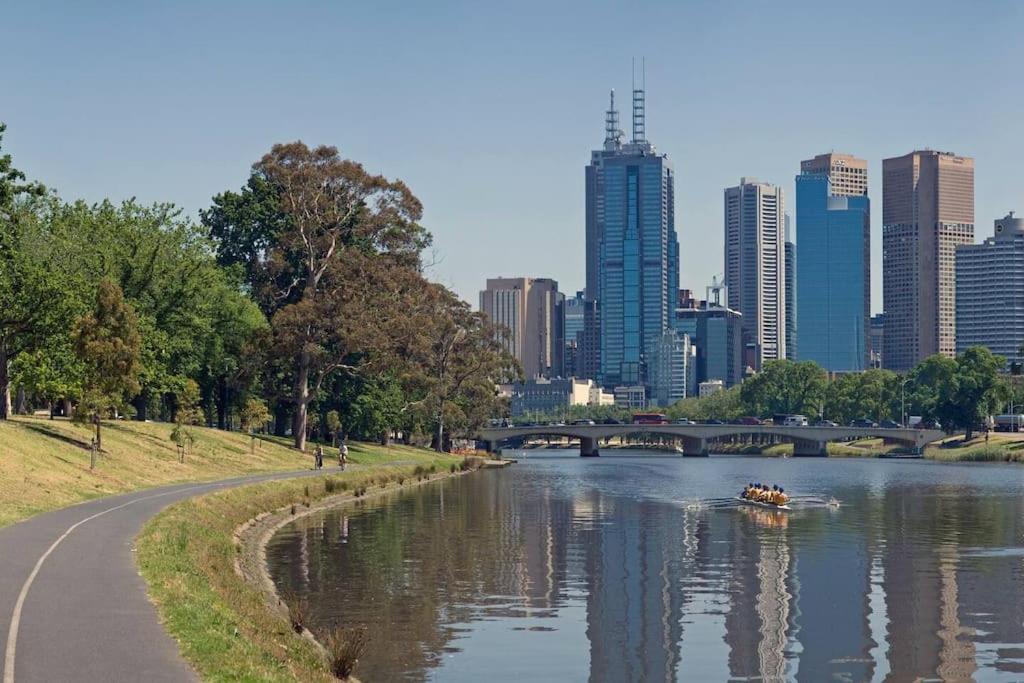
191 556
1000 447
44 464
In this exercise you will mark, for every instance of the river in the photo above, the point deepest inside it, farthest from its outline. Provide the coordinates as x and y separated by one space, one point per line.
635 567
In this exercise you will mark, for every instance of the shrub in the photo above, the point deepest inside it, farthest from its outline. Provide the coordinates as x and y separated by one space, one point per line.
305 490
401 481
298 610
293 508
330 485
452 468
344 648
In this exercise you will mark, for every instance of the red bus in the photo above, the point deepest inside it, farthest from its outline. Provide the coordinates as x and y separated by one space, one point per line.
649 419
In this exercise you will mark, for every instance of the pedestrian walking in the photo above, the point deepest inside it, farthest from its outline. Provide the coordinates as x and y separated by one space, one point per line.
318 456
342 456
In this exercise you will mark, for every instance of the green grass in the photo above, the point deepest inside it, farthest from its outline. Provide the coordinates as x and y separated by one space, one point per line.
44 464
1001 448
223 626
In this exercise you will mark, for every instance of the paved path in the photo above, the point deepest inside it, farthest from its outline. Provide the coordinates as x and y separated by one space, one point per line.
72 604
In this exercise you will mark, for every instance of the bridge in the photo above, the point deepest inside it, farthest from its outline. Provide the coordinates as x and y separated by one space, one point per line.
696 438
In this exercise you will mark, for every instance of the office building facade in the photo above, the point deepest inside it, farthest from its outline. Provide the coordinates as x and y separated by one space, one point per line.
833 256
990 291
927 212
716 334
791 323
632 254
672 372
755 267
530 312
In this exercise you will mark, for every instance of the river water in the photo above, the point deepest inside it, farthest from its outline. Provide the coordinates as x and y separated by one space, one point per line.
630 568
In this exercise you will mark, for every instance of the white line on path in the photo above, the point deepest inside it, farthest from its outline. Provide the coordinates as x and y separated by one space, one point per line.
12 633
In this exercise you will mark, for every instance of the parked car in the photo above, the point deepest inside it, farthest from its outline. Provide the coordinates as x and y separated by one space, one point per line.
825 423
583 422
863 423
890 424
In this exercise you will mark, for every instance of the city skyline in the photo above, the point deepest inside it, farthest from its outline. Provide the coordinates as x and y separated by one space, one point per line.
208 116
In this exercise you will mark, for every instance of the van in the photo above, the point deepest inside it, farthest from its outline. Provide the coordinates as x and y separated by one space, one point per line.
795 421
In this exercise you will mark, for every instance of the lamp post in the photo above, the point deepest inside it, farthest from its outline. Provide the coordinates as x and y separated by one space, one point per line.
903 400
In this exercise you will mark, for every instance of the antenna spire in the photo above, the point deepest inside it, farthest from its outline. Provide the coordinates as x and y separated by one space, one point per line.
612 134
639 134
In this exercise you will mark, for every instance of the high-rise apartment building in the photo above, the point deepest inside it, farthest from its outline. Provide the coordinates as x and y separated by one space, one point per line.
632 251
927 211
755 267
530 310
990 291
834 264
671 369
790 293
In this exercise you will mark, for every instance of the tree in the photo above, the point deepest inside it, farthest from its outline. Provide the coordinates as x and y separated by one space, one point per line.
333 423
785 387
870 394
971 389
26 292
460 363
107 343
253 416
303 216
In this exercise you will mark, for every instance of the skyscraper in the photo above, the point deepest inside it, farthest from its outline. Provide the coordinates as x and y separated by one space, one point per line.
990 291
790 294
531 311
755 268
927 211
833 263
849 175
632 250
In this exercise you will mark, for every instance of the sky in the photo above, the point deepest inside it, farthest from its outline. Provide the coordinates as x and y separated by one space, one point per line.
488 111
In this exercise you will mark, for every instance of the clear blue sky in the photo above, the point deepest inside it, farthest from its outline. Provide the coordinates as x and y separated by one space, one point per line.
489 110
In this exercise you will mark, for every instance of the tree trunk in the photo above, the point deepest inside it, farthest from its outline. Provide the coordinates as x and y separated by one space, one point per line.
385 438
68 410
222 403
281 419
5 383
20 402
439 436
141 404
99 439
301 402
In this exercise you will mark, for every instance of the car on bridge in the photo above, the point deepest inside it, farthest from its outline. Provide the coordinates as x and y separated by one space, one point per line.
583 422
825 423
684 421
863 423
890 424
747 420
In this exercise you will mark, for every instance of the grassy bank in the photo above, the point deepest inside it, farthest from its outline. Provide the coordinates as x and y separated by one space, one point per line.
1000 448
44 464
223 625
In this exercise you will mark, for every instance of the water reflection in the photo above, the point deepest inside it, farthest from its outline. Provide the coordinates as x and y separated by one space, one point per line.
561 569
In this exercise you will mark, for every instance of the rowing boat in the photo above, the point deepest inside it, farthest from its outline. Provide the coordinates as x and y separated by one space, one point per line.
757 503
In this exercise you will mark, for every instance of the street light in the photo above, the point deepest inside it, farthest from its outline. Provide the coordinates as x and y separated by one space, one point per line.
903 400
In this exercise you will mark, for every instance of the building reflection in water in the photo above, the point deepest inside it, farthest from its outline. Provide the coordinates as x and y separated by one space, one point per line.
897 585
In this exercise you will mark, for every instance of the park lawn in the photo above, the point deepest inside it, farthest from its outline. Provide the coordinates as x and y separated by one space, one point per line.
44 464
223 624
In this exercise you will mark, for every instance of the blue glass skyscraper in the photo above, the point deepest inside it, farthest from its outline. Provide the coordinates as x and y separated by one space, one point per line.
833 271
632 249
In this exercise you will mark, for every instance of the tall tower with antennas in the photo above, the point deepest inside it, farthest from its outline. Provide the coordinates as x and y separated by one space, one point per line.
632 253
